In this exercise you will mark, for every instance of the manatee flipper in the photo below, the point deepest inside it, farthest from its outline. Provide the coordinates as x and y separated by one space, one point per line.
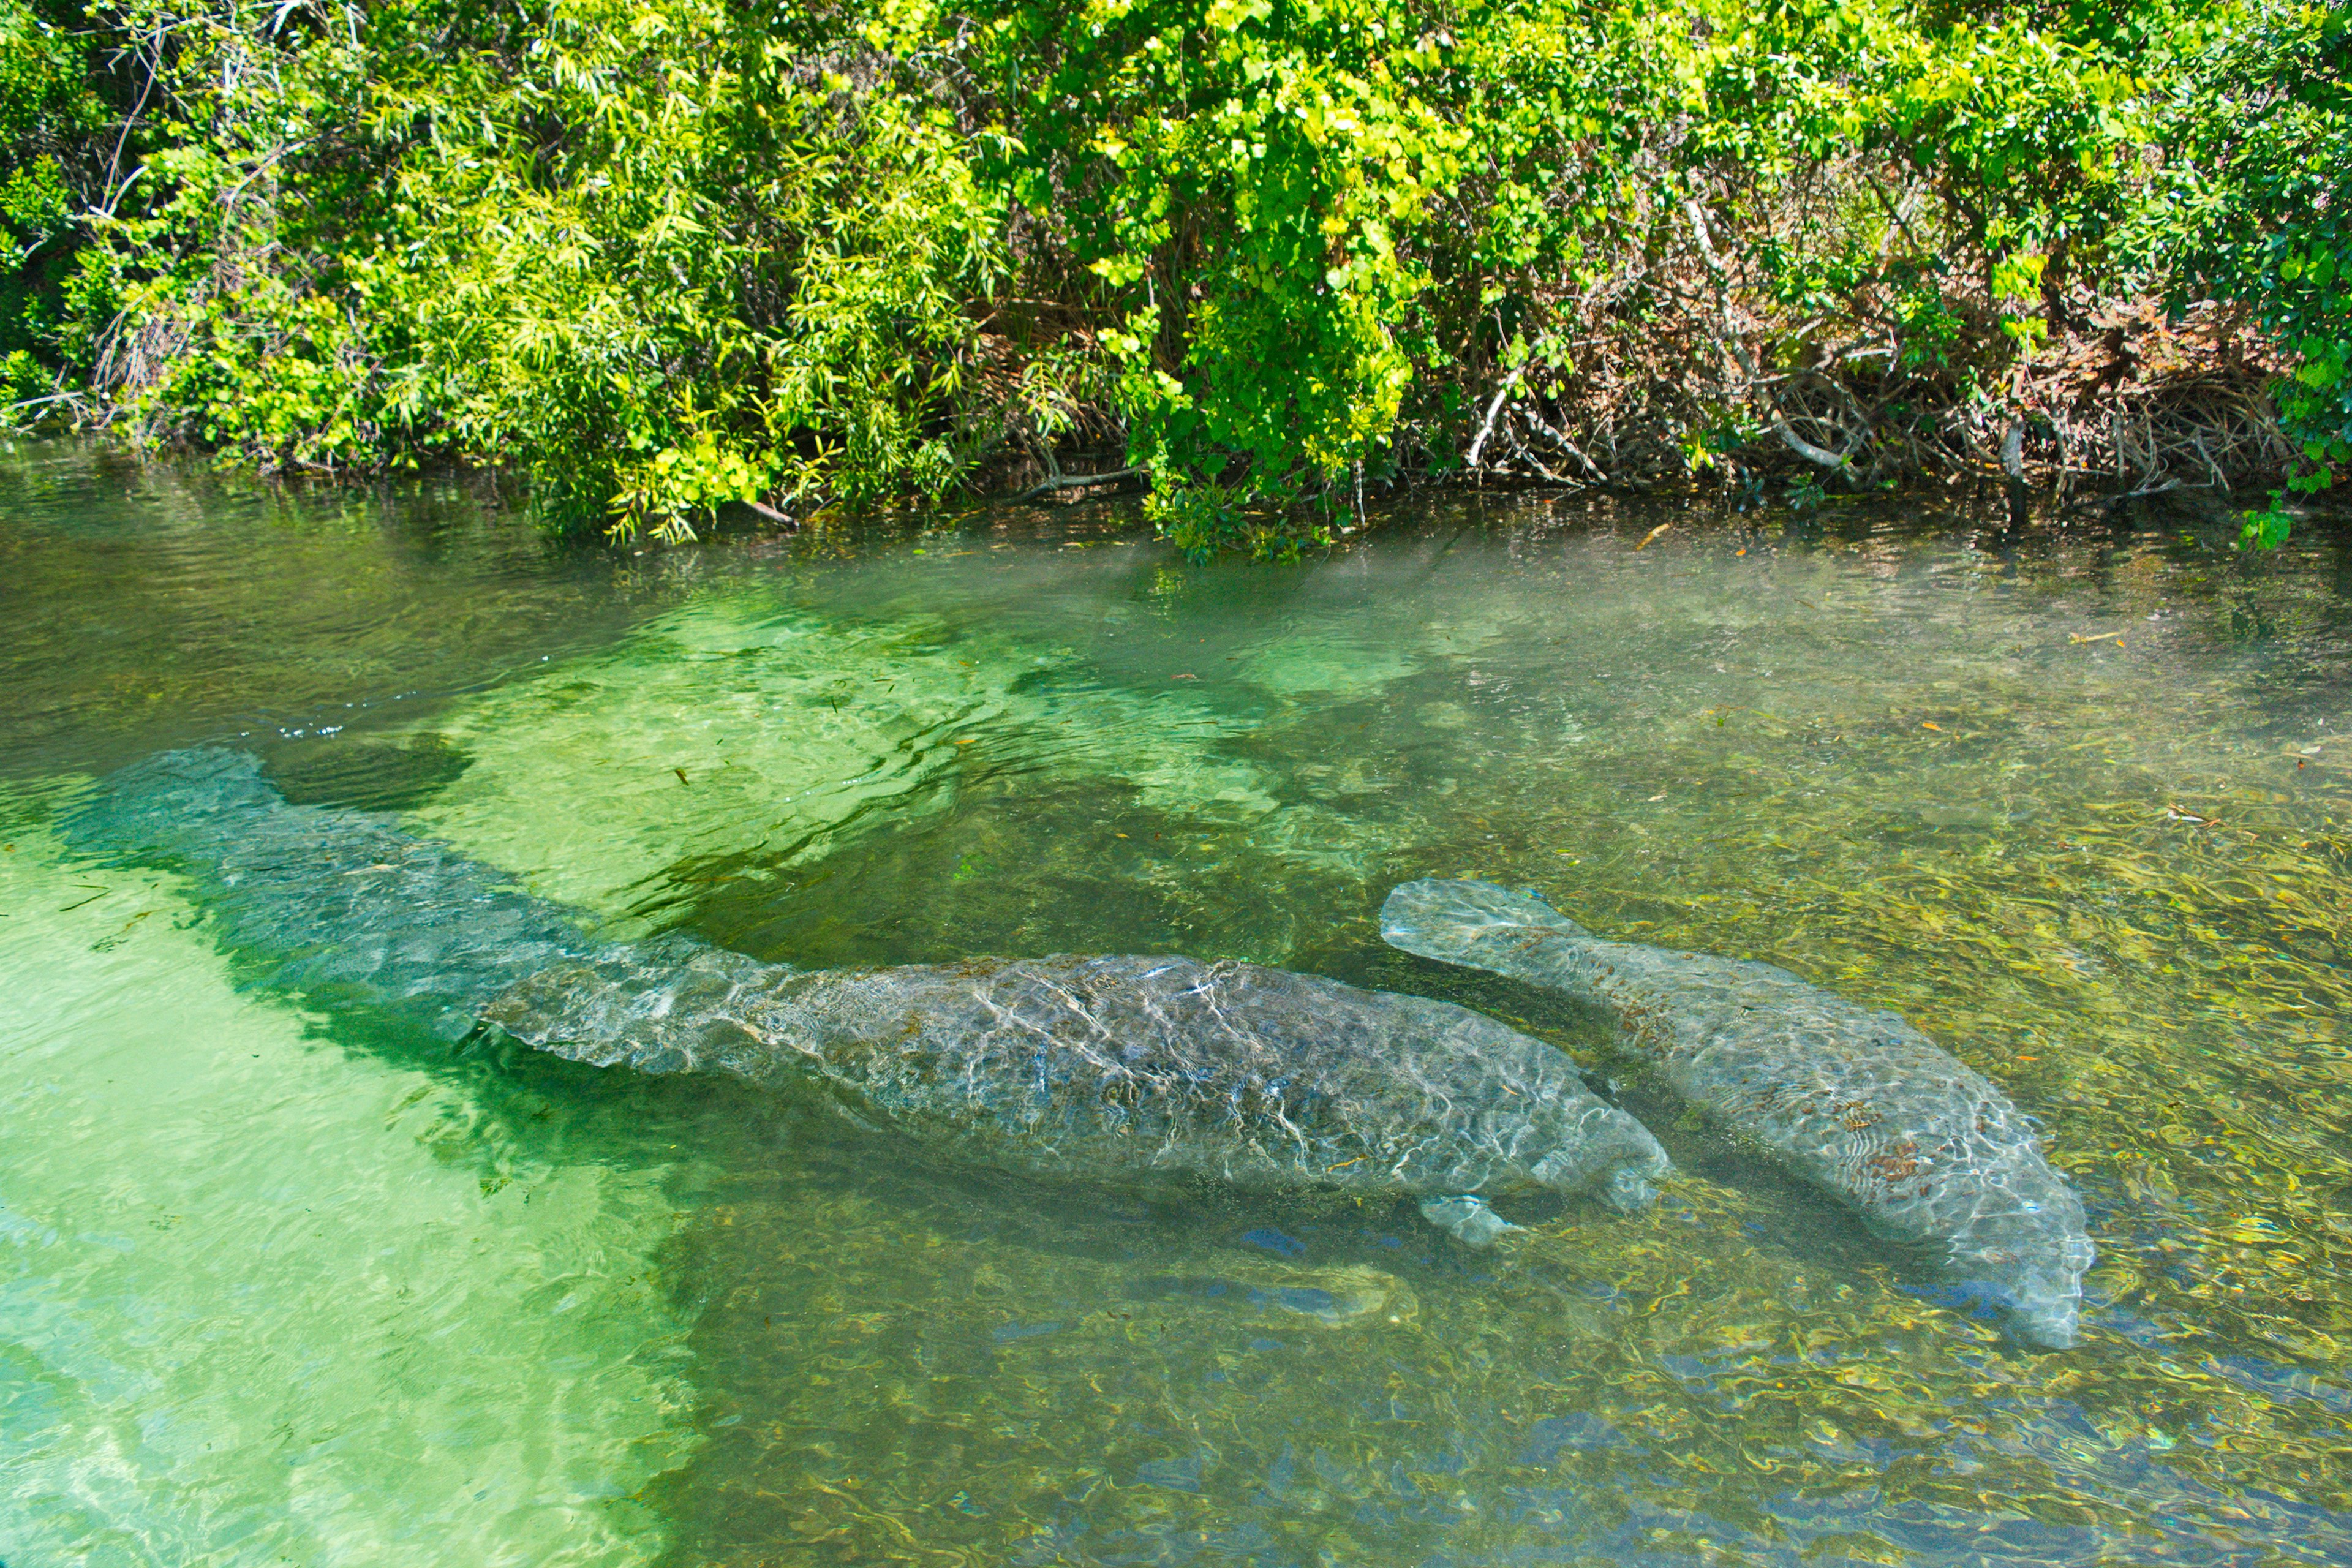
1452 922
1465 1218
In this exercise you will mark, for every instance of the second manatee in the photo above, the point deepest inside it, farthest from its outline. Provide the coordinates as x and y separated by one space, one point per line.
1851 1099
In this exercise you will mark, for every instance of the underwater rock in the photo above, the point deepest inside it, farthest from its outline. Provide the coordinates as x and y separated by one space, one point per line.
1108 1069
1851 1100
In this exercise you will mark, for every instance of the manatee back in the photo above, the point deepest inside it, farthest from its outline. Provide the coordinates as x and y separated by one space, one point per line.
1100 1067
1852 1100
1923 1148
1257 1076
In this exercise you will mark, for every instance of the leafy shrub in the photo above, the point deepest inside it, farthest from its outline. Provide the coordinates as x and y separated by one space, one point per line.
46 111
669 255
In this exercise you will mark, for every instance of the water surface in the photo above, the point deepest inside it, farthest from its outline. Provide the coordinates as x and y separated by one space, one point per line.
282 1284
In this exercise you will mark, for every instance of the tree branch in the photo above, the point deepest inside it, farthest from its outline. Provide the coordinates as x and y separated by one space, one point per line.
1493 409
1077 482
1820 456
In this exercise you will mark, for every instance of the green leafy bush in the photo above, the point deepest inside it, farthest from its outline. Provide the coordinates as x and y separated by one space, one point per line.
47 112
2251 207
2257 202
669 255
666 256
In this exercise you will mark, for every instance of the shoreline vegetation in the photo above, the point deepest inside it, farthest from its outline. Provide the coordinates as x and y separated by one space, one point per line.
1264 258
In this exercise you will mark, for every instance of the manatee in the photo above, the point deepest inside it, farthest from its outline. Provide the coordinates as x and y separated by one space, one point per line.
1852 1100
330 902
1111 1068
1091 1067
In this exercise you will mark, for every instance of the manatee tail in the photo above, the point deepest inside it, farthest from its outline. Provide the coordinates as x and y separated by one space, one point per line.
1467 923
338 905
167 802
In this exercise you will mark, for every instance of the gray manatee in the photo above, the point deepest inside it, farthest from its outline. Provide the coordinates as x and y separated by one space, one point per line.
1853 1101
1110 1068
1107 1065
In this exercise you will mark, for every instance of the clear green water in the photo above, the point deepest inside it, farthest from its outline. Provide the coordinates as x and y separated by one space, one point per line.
278 1286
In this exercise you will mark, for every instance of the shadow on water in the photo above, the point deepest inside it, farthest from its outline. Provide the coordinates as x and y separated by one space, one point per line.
1020 865
357 775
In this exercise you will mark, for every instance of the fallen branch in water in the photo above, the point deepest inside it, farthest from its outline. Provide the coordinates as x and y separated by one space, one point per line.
1077 482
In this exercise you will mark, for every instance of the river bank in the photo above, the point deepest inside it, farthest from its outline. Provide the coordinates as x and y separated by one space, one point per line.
1275 261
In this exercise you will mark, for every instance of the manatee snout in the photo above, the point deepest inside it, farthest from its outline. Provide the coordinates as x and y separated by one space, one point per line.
1624 1178
1629 1189
2049 1310
2028 1264
2034 1310
1449 920
2057 1326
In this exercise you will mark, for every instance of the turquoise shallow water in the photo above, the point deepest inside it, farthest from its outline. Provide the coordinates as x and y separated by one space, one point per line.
279 1284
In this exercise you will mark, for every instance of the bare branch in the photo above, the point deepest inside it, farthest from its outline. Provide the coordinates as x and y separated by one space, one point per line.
1077 482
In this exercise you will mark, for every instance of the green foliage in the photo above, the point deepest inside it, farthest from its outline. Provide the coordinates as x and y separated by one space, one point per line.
2022 128
745 279
1235 175
2266 528
46 109
2251 207
1299 214
668 254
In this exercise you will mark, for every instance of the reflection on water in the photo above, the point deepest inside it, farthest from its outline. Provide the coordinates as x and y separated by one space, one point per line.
2074 804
